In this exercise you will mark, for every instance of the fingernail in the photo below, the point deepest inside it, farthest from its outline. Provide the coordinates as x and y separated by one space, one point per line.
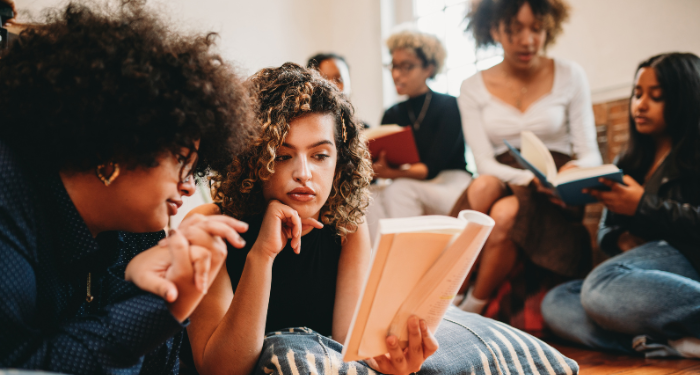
242 241
414 322
423 326
392 340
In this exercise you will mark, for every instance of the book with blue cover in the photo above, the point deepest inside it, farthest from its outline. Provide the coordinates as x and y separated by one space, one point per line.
568 184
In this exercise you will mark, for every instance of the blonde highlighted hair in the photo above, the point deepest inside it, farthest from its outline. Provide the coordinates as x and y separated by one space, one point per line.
284 94
427 47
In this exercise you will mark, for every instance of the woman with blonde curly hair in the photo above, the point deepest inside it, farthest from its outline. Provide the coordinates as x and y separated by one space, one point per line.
304 179
433 185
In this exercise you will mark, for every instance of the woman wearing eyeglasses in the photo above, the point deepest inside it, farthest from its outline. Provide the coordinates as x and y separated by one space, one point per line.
433 185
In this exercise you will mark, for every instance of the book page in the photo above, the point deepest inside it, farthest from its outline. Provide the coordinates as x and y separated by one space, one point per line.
537 154
435 291
581 173
410 256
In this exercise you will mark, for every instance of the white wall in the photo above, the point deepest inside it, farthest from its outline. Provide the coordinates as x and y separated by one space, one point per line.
609 38
263 33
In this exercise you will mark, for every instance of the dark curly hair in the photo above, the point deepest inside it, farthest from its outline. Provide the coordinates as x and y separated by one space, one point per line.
284 94
101 83
488 14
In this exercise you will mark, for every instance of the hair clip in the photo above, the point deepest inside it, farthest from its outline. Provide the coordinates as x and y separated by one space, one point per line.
345 131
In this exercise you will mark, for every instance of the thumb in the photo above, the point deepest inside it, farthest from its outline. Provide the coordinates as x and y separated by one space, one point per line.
159 286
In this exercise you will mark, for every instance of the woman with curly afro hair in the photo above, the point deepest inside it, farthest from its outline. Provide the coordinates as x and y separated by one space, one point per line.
549 97
106 116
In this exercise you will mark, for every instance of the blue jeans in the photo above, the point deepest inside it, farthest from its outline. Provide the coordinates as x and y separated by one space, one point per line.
651 290
469 344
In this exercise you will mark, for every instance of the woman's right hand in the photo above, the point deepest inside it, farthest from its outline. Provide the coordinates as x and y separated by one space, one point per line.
280 224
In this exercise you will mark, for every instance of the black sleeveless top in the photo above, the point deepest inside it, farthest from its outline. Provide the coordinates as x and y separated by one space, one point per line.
302 292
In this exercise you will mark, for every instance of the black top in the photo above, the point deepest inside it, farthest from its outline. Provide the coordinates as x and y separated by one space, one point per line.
302 292
669 210
439 137
46 252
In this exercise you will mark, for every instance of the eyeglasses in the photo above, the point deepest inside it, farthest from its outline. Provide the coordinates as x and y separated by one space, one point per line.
188 167
403 68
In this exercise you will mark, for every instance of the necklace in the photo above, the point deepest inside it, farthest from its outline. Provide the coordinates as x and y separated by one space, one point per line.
417 121
89 296
519 95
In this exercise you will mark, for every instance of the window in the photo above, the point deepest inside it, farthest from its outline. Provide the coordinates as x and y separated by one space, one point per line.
446 20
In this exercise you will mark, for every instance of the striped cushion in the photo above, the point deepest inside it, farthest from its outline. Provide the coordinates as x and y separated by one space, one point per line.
469 344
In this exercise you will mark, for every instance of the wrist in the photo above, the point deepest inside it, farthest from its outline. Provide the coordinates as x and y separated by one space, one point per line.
260 256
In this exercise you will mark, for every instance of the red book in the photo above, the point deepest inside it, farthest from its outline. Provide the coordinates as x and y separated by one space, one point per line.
396 141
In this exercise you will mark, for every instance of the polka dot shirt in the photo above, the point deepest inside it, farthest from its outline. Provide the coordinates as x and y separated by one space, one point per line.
46 253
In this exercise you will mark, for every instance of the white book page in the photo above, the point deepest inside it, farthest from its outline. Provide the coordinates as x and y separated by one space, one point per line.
582 173
535 152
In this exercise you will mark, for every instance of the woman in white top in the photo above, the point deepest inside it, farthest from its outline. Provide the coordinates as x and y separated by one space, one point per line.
527 91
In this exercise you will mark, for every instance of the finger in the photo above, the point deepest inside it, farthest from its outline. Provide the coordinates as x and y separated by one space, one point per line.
430 343
398 360
607 182
415 343
201 262
629 181
219 229
382 363
312 222
152 283
237 225
382 157
180 252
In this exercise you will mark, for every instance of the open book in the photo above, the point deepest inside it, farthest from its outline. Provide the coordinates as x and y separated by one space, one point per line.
568 184
417 267
396 141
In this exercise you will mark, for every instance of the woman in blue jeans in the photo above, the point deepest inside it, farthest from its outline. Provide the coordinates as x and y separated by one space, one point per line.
646 298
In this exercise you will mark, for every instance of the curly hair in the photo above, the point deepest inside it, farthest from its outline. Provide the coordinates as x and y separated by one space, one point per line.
488 14
106 83
427 47
284 94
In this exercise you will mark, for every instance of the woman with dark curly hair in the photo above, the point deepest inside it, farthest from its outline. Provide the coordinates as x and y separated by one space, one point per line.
306 179
551 98
106 117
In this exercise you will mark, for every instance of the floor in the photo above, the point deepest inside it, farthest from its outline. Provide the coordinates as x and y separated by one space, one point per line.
597 363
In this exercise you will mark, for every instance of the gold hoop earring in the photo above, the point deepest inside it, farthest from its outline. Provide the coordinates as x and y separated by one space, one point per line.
107 180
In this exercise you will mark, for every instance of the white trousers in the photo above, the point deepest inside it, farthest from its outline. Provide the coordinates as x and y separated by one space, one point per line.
406 197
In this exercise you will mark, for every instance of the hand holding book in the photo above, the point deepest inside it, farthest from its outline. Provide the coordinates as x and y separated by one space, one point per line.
621 199
421 345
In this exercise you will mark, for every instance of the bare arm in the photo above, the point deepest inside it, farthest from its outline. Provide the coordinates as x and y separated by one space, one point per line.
352 269
227 331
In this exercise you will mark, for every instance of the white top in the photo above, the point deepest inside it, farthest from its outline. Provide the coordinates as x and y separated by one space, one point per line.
562 119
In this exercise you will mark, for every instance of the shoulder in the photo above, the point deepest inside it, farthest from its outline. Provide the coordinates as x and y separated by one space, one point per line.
472 88
391 114
569 70
19 194
208 209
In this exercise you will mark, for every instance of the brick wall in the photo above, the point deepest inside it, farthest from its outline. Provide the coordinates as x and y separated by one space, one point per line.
612 122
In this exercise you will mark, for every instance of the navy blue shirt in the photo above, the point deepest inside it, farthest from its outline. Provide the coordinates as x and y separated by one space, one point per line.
46 253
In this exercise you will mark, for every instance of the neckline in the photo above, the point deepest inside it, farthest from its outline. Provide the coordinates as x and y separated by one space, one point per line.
496 99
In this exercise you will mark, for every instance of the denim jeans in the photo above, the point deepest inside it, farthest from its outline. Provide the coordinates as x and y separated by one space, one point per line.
469 344
651 291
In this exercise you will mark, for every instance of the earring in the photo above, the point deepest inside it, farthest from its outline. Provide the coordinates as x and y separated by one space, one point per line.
109 179
345 131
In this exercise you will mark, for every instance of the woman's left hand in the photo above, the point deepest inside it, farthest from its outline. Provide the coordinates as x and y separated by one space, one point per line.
421 345
621 199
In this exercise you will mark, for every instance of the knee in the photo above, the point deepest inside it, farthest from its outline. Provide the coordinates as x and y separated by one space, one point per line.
483 191
597 296
558 302
504 212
